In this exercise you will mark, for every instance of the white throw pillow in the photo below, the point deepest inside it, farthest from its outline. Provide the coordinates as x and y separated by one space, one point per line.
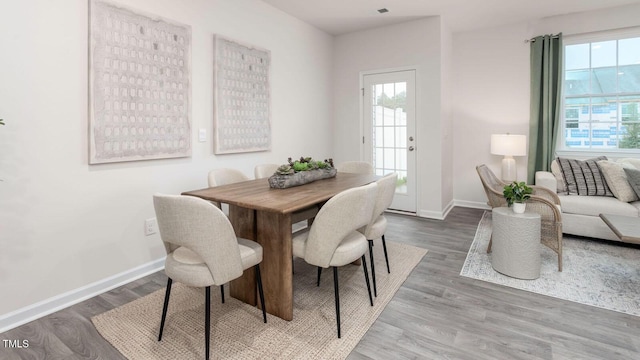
632 161
561 186
617 180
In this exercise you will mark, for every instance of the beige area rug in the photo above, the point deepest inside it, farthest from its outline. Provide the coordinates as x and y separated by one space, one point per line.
597 273
237 329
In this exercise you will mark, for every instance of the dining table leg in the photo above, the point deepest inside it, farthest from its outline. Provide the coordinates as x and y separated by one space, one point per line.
273 232
244 224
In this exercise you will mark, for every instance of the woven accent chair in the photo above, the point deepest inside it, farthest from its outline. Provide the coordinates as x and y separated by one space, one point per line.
378 224
543 201
333 239
202 250
356 167
264 170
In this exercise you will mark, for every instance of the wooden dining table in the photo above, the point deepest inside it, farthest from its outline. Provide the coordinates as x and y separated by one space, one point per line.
265 215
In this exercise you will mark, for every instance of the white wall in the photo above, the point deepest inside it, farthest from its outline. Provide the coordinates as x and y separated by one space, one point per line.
491 88
65 224
447 116
415 44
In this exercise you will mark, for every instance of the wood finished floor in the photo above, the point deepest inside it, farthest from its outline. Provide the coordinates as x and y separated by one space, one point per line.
436 314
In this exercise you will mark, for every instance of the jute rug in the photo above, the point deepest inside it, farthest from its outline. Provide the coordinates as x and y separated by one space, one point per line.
602 274
237 330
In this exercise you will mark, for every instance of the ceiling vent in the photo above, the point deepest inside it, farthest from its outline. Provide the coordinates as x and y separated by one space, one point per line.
383 10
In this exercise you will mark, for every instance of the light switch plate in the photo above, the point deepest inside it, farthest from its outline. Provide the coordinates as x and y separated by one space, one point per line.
202 135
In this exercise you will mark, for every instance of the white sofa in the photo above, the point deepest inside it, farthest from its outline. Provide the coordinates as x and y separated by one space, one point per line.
580 214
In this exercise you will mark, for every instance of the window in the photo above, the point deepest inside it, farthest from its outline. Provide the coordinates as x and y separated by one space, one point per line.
601 91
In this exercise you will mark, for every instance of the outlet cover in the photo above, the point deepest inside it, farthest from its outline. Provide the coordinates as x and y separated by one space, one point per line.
150 226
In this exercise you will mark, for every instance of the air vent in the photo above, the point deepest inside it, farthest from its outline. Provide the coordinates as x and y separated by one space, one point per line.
383 10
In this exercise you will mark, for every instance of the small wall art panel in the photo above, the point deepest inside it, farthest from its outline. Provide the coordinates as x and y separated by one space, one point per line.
139 86
241 97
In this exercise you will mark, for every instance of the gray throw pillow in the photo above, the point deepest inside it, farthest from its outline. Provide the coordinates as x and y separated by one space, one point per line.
584 177
633 176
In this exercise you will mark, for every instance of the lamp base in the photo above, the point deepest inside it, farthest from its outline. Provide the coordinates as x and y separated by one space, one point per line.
508 169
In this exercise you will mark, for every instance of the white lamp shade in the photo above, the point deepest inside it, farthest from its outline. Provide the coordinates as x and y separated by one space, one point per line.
508 145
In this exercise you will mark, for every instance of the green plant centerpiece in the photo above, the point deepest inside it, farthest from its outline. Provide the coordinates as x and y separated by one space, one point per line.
301 171
517 193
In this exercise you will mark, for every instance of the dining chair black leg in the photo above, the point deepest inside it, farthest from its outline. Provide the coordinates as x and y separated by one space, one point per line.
366 277
319 273
222 292
386 257
261 293
335 289
207 320
167 293
373 268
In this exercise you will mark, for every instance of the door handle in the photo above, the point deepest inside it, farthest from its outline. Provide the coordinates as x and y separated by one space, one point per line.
411 148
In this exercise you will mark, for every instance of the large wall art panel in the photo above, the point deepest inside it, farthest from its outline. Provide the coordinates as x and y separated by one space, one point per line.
241 97
140 86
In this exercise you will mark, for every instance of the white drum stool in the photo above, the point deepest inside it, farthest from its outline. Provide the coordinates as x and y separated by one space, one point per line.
516 243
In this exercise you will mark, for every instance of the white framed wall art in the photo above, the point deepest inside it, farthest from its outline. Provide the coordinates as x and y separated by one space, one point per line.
139 85
242 116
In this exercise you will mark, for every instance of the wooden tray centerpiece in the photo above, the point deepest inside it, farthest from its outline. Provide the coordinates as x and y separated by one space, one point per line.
300 172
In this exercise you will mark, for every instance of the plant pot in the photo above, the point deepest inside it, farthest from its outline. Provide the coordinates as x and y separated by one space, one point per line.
518 208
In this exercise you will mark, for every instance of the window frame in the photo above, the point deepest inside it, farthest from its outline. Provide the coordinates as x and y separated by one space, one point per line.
561 149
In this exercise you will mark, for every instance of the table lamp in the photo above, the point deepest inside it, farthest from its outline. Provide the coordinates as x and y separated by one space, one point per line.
508 145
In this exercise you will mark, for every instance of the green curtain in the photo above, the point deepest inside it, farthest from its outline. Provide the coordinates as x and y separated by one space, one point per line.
546 102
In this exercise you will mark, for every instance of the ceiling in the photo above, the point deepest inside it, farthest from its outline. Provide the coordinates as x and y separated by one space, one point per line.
343 16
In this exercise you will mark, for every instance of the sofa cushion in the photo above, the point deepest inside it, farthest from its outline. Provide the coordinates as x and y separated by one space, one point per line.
584 177
633 176
596 205
617 180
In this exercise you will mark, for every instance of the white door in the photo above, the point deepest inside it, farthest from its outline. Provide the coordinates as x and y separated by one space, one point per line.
389 107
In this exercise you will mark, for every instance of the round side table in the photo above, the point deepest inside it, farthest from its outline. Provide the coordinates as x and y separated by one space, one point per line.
516 243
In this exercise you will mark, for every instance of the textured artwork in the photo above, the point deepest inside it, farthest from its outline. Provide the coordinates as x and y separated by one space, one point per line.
241 98
139 86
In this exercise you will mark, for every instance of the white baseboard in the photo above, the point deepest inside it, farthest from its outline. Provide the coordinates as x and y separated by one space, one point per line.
59 302
438 215
471 204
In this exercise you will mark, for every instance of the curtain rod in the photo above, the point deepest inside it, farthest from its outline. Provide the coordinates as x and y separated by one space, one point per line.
534 39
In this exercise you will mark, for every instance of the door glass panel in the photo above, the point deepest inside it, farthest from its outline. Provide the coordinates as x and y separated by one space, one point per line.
390 131
378 137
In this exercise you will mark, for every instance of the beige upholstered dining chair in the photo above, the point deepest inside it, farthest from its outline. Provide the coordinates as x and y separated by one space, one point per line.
264 170
202 250
219 177
378 223
543 201
223 176
357 167
333 239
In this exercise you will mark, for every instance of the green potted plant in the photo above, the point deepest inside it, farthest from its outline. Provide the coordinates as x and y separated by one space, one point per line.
302 171
516 194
